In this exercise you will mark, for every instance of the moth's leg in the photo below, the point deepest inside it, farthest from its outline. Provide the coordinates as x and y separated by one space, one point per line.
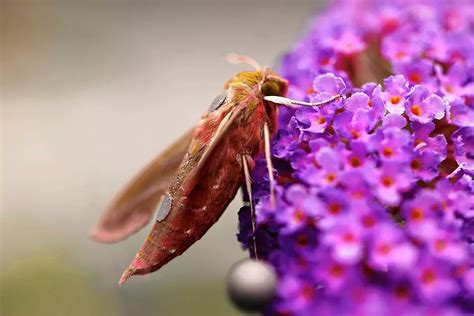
248 186
268 158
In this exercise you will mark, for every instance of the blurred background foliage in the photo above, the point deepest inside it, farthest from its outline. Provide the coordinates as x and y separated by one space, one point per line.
91 91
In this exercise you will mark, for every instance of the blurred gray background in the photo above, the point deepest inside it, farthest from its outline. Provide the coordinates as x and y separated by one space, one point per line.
90 92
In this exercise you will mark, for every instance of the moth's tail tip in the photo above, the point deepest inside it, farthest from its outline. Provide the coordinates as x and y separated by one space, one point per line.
126 275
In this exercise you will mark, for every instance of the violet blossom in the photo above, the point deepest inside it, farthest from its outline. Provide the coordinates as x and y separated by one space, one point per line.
374 209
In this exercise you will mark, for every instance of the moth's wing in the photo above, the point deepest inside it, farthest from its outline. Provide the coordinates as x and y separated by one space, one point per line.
149 258
133 207
227 121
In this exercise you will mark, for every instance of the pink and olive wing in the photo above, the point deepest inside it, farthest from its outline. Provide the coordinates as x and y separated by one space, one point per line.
168 237
134 205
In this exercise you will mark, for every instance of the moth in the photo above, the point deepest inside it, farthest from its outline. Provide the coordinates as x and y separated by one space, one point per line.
192 182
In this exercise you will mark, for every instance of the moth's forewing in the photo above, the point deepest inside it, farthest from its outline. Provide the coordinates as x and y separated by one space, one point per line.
133 207
150 256
224 125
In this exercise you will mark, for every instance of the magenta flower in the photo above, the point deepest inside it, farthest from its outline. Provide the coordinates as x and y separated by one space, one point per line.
433 281
392 144
423 107
463 140
390 181
455 83
347 43
391 249
417 72
424 142
374 192
396 88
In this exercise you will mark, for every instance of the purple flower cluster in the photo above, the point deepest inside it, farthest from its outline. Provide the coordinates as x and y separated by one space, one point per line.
374 192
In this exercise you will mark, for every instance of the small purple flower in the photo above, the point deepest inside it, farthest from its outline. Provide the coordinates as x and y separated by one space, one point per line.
287 139
357 157
463 140
423 107
460 114
434 282
345 241
329 84
347 43
445 245
425 165
392 144
299 292
424 142
398 47
420 212
303 208
455 83
391 250
333 274
418 72
353 126
314 120
330 168
390 181
394 120
396 87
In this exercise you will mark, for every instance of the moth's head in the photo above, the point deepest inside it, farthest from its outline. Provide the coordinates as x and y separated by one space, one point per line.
264 82
258 83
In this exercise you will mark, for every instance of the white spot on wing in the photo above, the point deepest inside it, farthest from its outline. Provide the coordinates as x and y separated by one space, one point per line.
164 208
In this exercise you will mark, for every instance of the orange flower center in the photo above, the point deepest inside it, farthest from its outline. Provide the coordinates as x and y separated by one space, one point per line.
416 213
387 152
402 292
321 120
357 194
330 177
355 162
416 109
384 249
334 208
298 216
348 237
307 292
400 54
414 77
428 276
387 181
415 164
449 88
302 240
336 270
368 221
440 245
395 99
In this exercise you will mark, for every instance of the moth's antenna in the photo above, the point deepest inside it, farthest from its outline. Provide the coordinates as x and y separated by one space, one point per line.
242 59
289 102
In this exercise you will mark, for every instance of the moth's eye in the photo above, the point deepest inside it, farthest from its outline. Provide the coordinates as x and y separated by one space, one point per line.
270 88
218 101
